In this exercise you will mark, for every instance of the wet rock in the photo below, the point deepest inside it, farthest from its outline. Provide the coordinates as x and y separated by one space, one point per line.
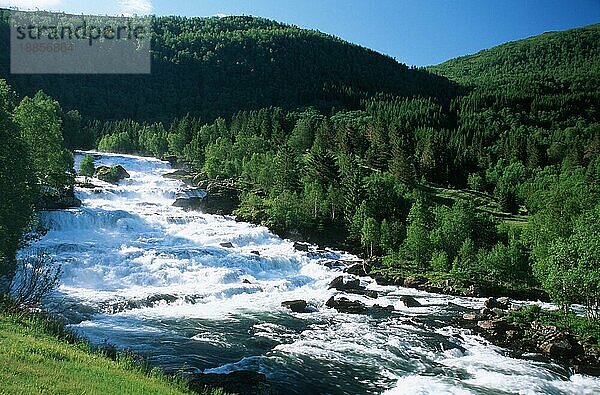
86 185
227 245
386 280
190 199
304 247
297 306
458 307
352 286
485 312
180 175
415 281
188 204
358 269
370 293
255 253
219 197
337 282
112 175
54 199
242 382
409 301
492 324
154 299
341 285
246 281
387 309
344 305
333 264
500 303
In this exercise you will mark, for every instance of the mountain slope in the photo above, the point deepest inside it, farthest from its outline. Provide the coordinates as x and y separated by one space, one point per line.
216 66
558 60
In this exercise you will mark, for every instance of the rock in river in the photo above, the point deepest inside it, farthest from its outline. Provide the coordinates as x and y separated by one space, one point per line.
112 175
409 301
297 306
345 305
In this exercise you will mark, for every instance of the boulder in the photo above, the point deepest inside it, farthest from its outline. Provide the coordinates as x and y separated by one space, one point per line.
257 253
112 175
358 269
492 325
337 283
86 185
53 199
415 281
190 199
301 246
344 305
241 382
409 301
500 303
333 264
386 280
180 175
221 198
559 348
188 204
227 245
382 309
297 306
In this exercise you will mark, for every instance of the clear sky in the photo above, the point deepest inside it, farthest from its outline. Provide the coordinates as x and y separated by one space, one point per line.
415 32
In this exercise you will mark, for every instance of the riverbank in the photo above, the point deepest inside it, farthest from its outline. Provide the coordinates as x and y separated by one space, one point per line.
533 333
39 355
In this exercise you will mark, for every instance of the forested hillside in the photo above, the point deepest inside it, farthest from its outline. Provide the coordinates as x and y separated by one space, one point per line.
548 63
211 67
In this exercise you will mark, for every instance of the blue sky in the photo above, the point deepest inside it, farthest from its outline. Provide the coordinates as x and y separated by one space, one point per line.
416 32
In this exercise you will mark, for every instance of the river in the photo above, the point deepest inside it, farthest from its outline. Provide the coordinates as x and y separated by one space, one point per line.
141 274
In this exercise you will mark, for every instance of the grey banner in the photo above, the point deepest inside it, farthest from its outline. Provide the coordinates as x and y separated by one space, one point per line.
58 43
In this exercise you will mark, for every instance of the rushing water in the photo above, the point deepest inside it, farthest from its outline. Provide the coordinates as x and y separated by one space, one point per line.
141 274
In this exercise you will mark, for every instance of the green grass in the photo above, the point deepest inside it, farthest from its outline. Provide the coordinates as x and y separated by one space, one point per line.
37 356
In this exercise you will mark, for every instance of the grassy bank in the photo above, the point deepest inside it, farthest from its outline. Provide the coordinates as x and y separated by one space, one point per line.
37 355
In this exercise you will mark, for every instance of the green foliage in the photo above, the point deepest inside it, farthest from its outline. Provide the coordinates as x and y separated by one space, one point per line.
476 182
40 124
418 245
86 167
18 189
583 328
370 234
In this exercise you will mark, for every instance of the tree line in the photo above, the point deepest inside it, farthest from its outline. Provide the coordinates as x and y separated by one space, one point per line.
35 163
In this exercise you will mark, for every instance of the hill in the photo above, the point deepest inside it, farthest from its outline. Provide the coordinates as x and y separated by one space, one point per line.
212 67
553 61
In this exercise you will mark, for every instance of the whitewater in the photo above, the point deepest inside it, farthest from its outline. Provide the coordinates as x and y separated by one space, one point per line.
143 275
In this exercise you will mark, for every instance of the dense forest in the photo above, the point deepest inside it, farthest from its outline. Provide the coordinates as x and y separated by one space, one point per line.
210 67
490 178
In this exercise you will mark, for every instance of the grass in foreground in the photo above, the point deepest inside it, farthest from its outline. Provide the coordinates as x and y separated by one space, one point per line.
36 358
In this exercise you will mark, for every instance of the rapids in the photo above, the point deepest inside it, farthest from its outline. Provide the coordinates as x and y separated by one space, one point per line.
143 275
